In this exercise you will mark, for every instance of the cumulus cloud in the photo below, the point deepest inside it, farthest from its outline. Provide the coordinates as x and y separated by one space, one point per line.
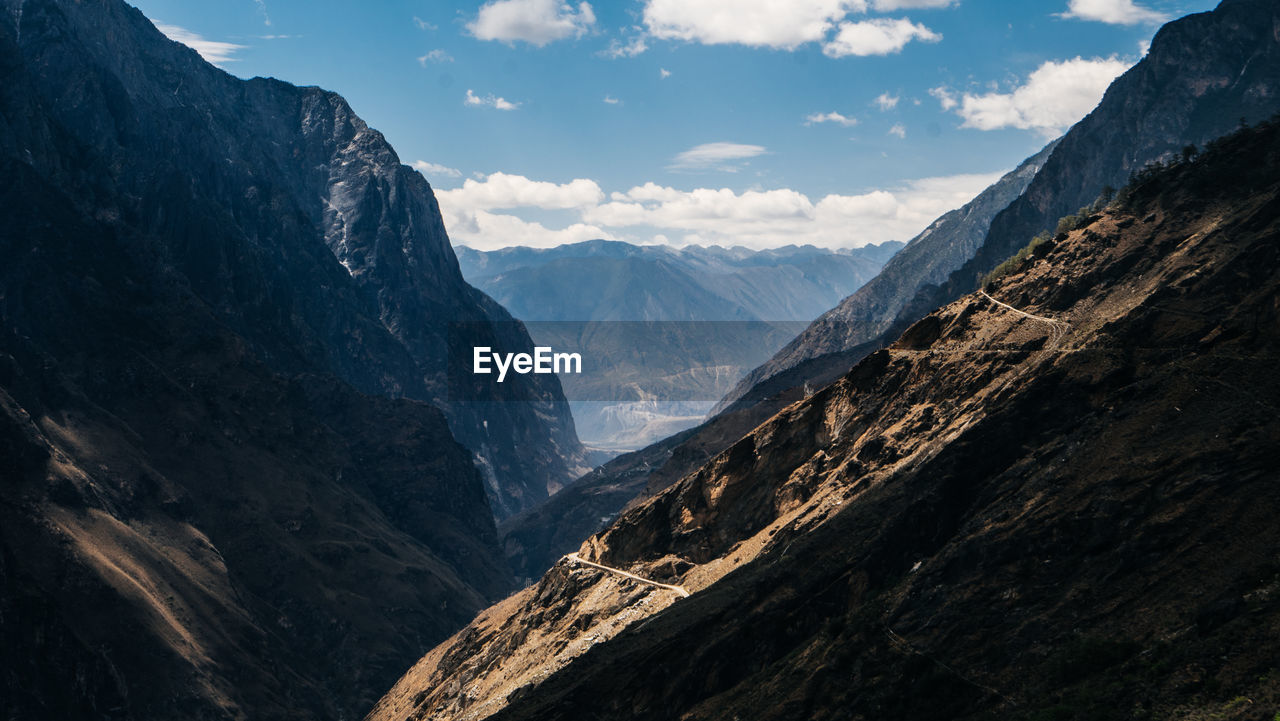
433 170
610 100
501 190
878 36
664 73
537 22
832 117
435 56
653 213
776 217
886 102
716 156
898 131
1114 12
422 24
489 101
483 230
1054 96
757 23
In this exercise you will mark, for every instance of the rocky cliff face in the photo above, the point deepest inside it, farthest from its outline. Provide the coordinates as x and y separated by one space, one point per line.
292 218
1052 500
1203 75
223 494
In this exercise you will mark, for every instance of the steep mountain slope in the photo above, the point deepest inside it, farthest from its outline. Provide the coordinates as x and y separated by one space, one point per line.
1203 75
291 218
222 495
1055 500
631 282
1196 70
863 316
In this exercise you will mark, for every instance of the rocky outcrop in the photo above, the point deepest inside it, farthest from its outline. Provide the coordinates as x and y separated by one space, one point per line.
1051 499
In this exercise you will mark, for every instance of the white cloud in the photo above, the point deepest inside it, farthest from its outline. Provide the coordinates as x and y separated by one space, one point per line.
610 100
944 96
1055 96
898 131
653 213
716 156
468 211
878 36
490 101
1114 12
211 50
501 190
886 102
832 117
435 56
757 23
885 6
664 73
618 49
537 22
777 217
483 230
422 24
430 170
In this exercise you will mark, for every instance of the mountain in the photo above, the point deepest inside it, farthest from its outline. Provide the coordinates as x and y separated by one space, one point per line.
706 305
657 282
230 485
1216 66
1054 498
291 217
926 260
1203 76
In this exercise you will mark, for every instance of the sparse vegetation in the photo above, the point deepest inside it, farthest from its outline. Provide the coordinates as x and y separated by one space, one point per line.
1017 260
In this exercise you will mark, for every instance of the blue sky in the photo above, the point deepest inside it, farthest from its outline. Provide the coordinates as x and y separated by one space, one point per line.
752 122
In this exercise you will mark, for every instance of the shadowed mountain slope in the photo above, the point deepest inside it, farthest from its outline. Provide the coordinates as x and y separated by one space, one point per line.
224 492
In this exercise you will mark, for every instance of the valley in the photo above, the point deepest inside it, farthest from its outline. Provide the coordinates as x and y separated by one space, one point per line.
704 361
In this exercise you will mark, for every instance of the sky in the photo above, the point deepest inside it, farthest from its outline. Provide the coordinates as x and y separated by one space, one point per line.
760 123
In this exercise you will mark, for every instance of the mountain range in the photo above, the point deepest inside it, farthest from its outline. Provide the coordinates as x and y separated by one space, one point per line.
611 280
710 314
1051 498
1204 75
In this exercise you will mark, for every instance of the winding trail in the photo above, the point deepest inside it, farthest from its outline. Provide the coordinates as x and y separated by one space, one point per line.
1022 312
575 558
